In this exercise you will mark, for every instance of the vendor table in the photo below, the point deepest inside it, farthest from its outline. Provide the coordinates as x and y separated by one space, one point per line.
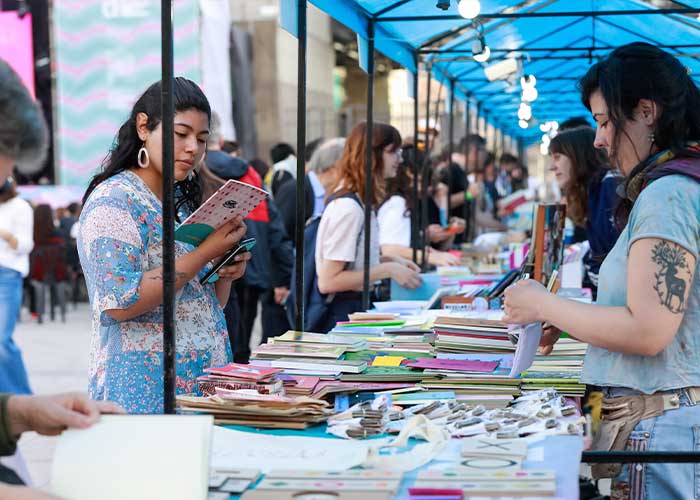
561 454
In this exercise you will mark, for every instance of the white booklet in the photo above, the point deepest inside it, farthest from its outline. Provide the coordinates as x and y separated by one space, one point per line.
528 340
232 199
139 457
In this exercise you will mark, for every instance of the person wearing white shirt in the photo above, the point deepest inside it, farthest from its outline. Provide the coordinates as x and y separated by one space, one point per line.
16 242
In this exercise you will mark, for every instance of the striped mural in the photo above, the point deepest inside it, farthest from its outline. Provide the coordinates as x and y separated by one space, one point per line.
106 53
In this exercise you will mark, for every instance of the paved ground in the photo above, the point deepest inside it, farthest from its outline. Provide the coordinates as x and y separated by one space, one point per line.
56 355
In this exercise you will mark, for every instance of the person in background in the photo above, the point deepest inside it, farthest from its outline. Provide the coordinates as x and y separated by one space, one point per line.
120 248
485 206
519 177
589 188
490 177
263 170
268 273
574 122
320 177
340 240
467 158
394 219
231 147
644 331
284 165
16 243
506 164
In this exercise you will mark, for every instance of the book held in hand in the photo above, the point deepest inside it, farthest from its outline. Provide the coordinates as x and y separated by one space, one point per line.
232 199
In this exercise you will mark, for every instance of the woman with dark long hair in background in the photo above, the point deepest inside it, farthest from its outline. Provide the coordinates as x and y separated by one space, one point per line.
589 188
120 247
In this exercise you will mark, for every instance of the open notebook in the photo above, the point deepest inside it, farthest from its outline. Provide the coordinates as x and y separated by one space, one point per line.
139 457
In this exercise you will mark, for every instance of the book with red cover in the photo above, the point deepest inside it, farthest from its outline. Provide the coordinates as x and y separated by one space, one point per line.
245 372
208 385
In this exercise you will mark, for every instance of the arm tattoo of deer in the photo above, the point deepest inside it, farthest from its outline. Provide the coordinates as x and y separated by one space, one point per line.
669 286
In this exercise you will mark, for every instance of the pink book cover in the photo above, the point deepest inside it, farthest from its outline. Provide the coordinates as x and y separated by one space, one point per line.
455 364
231 199
246 372
303 382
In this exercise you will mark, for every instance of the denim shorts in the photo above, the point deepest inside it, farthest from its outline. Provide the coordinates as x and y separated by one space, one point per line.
675 430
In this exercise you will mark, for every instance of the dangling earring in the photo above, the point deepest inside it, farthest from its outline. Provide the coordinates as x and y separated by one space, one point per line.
143 158
652 137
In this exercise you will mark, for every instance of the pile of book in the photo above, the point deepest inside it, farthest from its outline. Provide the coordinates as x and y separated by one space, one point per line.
472 332
560 370
310 355
236 376
247 407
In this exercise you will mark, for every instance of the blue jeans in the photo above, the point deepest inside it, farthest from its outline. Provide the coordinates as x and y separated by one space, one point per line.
674 430
13 376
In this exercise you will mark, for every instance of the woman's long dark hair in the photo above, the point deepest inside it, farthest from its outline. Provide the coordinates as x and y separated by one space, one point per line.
44 227
402 183
642 71
123 154
588 164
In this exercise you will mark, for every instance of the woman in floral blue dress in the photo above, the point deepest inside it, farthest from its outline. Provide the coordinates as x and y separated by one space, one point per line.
120 248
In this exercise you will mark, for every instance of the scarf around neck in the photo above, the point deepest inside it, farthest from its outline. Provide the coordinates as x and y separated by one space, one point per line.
666 162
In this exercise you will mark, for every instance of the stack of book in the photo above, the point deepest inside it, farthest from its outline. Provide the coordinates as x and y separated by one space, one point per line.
472 332
561 369
245 407
235 376
492 389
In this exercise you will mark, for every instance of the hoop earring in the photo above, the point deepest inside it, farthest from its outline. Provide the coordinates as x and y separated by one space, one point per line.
142 158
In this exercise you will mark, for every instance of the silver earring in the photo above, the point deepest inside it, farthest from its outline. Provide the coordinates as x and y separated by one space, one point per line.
652 137
143 158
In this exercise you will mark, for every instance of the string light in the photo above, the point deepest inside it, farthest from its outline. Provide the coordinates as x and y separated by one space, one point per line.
469 9
484 55
523 124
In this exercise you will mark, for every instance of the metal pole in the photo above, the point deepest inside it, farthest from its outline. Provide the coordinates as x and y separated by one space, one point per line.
521 15
369 152
467 133
626 457
424 180
414 212
450 145
301 167
168 114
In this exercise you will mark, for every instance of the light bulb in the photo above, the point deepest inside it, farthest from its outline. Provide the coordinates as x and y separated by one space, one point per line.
546 139
544 149
483 56
524 111
555 126
469 9
523 124
530 94
527 81
544 127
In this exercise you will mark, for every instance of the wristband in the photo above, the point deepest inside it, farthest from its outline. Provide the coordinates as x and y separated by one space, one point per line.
468 196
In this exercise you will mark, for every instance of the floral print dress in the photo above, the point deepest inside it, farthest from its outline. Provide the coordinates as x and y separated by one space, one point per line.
120 238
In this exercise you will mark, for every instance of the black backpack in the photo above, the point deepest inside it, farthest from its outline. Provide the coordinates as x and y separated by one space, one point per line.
316 304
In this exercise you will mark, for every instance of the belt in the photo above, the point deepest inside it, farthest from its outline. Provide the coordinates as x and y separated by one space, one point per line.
620 415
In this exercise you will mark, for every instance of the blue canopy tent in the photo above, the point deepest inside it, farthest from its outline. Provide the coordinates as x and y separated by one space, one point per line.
554 40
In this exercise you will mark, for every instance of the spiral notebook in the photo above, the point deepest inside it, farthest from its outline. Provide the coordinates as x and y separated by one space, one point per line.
232 199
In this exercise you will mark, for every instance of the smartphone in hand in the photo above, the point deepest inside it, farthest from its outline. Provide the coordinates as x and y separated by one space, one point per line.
244 246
